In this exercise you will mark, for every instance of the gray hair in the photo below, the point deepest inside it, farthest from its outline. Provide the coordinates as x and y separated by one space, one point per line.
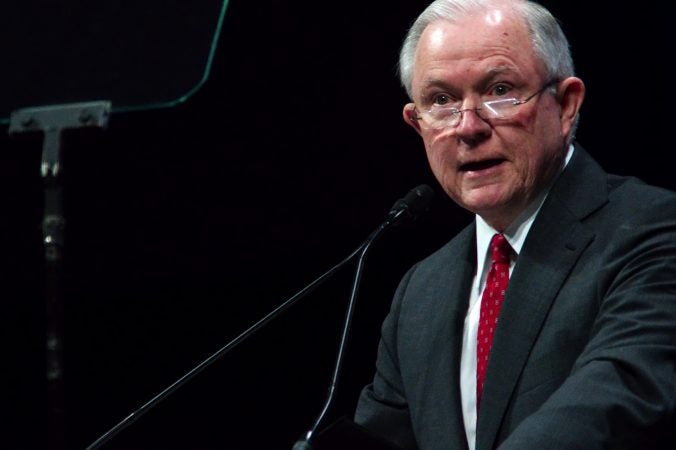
549 42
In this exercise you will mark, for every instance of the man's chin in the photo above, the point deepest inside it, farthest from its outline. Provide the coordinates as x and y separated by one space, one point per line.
485 199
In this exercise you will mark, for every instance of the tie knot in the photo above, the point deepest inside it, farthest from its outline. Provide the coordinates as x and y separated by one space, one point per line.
500 249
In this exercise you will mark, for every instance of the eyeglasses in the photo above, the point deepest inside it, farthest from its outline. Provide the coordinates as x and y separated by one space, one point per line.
441 116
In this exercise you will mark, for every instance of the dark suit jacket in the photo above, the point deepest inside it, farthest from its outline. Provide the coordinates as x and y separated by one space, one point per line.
584 354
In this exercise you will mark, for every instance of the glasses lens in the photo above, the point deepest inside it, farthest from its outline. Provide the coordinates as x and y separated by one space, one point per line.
499 109
505 108
443 117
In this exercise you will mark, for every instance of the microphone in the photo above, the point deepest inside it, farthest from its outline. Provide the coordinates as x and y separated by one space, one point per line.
413 204
404 209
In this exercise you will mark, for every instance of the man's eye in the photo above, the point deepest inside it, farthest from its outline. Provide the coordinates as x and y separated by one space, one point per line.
441 100
501 90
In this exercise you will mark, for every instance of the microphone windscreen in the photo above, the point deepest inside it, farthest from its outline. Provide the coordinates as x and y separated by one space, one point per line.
415 202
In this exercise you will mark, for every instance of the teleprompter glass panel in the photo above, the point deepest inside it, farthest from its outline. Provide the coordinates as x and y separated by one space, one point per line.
137 55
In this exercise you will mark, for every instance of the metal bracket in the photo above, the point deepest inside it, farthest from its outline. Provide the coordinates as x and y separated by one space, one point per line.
52 120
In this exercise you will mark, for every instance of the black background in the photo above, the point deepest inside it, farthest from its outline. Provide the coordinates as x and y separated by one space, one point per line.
186 225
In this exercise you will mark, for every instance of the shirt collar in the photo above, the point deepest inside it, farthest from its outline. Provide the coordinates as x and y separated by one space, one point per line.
517 231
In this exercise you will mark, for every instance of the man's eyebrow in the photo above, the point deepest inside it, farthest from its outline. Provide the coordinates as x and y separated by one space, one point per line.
499 70
489 74
436 82
479 83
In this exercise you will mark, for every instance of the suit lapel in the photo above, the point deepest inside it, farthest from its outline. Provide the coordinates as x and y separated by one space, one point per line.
555 242
442 339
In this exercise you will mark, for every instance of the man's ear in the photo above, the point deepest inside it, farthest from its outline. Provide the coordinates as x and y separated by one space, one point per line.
570 95
411 116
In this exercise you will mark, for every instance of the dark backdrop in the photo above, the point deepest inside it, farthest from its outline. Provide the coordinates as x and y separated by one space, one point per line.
186 225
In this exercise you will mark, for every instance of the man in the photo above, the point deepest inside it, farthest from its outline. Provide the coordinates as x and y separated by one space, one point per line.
583 355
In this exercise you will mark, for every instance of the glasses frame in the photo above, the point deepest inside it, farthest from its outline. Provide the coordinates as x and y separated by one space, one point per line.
457 113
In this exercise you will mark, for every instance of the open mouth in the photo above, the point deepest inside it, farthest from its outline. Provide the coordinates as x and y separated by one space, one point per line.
480 165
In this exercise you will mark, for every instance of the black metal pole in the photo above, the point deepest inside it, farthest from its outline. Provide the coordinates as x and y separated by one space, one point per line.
53 226
51 121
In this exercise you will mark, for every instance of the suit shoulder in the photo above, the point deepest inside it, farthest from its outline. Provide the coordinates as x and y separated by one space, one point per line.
636 196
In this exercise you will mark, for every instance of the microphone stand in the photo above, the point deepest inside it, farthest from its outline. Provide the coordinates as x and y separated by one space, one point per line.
307 442
405 208
134 416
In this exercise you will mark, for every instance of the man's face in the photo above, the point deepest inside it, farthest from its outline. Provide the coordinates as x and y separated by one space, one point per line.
492 167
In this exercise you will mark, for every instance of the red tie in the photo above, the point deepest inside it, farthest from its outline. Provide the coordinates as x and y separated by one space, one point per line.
491 301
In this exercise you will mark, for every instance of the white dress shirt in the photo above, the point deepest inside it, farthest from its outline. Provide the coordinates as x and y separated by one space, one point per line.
516 235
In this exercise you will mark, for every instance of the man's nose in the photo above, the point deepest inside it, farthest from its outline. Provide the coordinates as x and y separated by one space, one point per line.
471 124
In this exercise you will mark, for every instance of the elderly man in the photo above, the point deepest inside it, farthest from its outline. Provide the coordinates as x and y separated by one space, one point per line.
549 322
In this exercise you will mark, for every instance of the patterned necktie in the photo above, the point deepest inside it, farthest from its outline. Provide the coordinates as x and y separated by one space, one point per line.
491 301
